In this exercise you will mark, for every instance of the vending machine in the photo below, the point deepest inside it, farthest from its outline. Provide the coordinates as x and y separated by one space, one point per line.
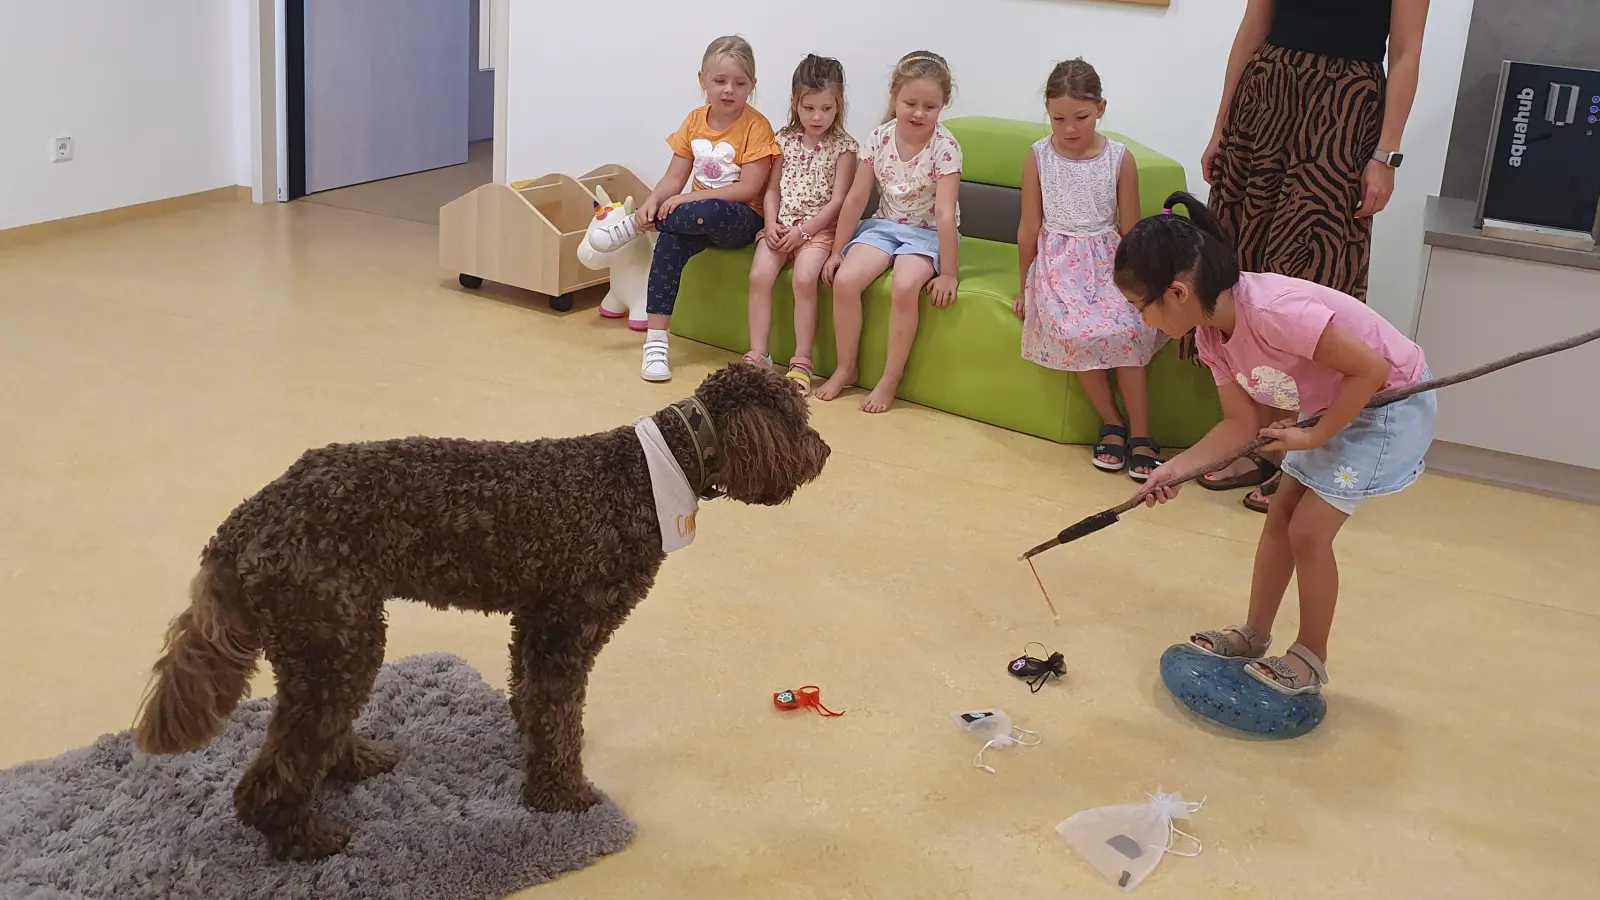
1541 176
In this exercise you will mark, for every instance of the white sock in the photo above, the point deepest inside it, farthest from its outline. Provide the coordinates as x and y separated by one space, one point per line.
654 335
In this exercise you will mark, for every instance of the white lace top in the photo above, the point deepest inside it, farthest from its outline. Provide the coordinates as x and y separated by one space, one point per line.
1080 195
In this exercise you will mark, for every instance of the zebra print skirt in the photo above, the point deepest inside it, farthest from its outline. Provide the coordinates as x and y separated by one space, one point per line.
1300 132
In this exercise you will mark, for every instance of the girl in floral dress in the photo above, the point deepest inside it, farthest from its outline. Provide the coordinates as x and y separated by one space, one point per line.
1080 194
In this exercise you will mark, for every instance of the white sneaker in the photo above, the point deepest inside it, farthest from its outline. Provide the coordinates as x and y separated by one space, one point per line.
610 236
655 367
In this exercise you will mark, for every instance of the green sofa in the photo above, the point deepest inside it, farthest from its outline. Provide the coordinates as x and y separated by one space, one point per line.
967 357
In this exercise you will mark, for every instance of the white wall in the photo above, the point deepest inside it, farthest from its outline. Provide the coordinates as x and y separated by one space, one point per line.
239 96
146 90
581 95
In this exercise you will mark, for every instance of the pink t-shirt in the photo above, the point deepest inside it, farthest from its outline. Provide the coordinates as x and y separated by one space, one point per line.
1279 321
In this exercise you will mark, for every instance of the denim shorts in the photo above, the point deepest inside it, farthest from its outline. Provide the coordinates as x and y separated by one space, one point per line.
896 239
1378 453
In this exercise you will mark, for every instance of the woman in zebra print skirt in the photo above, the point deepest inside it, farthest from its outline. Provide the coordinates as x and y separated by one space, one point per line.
1305 149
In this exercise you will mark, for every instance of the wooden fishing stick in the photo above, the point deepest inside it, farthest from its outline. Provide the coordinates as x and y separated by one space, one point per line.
1107 518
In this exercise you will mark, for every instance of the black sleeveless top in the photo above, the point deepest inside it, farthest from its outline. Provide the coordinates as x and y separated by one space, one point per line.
1347 29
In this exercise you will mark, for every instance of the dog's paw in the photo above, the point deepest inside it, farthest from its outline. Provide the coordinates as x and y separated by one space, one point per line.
364 759
314 840
548 797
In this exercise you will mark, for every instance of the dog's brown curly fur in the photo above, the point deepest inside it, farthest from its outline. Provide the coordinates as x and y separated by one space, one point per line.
560 533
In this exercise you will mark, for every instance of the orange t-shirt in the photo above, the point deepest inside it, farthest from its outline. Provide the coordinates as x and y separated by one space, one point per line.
719 156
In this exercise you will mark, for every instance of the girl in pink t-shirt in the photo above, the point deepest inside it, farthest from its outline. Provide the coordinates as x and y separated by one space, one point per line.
1294 345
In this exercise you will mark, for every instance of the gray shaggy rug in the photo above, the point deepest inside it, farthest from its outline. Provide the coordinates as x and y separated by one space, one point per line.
108 821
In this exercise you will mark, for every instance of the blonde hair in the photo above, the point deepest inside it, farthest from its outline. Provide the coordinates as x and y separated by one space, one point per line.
730 47
919 64
1076 79
814 75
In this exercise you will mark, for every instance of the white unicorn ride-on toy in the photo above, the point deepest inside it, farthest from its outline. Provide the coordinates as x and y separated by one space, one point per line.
613 243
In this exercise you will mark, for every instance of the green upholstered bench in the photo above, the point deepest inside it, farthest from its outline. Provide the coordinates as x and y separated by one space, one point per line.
967 357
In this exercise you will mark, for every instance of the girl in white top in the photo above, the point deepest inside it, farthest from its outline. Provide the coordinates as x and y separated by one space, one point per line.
1080 195
916 163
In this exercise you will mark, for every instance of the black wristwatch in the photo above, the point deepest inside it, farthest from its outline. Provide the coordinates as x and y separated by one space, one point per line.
1390 158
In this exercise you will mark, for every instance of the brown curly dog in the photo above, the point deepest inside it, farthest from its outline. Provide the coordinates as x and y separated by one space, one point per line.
563 534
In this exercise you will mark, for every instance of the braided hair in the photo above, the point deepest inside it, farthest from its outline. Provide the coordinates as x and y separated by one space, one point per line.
1162 249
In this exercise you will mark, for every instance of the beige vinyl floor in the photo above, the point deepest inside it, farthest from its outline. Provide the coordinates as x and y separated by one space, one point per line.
154 373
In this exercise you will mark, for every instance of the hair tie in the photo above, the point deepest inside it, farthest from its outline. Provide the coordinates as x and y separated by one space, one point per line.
1166 210
802 698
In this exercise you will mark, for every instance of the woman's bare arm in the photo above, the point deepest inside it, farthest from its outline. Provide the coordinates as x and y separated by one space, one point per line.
1407 20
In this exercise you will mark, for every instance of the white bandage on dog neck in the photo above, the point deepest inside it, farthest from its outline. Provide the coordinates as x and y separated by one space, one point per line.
676 502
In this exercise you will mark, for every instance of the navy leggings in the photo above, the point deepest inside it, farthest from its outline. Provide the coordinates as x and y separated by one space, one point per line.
691 227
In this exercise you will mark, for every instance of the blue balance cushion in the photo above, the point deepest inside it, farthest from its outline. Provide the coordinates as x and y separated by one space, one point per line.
1221 690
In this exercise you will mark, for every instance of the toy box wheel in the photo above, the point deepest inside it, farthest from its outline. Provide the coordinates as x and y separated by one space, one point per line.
470 282
562 303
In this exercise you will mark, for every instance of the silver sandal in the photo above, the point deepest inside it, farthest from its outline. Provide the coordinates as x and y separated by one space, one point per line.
1222 644
1285 679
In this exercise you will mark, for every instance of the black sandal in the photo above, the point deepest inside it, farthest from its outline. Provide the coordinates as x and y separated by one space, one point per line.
1264 472
1120 451
1267 492
1147 460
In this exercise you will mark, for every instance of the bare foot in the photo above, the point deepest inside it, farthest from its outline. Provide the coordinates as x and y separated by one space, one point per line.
836 385
881 398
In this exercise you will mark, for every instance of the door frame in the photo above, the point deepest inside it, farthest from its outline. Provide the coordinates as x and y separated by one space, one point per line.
270 129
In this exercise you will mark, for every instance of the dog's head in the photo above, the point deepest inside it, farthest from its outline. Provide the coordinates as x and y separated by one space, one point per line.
766 448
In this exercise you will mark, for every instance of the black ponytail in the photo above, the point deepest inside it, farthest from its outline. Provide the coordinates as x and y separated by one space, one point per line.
1163 248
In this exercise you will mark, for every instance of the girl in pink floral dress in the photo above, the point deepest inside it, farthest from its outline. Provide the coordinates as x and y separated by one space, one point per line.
1080 194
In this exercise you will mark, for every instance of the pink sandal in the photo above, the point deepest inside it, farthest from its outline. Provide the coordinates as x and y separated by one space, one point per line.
800 372
756 359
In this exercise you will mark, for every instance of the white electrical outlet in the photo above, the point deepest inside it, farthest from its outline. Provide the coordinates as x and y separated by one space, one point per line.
61 149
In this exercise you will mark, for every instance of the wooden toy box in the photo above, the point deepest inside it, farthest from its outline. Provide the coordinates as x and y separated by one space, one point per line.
526 234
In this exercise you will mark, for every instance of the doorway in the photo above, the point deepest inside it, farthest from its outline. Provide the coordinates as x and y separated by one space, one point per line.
383 106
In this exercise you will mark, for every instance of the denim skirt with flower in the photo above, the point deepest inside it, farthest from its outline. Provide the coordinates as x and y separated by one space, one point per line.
1378 453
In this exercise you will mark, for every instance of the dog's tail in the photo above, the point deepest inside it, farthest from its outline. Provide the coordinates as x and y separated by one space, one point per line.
205 666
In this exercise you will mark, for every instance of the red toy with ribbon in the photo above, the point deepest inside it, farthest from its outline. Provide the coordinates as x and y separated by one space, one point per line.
809 696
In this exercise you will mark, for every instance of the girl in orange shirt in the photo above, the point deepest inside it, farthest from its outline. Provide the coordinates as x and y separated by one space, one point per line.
723 152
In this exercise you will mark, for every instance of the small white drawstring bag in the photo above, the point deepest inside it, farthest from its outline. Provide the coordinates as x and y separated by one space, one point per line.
1125 842
994 726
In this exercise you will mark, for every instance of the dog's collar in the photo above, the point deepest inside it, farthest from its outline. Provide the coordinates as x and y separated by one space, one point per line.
704 436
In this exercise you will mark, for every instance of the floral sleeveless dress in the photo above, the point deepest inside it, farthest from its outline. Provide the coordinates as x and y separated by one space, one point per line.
1076 319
